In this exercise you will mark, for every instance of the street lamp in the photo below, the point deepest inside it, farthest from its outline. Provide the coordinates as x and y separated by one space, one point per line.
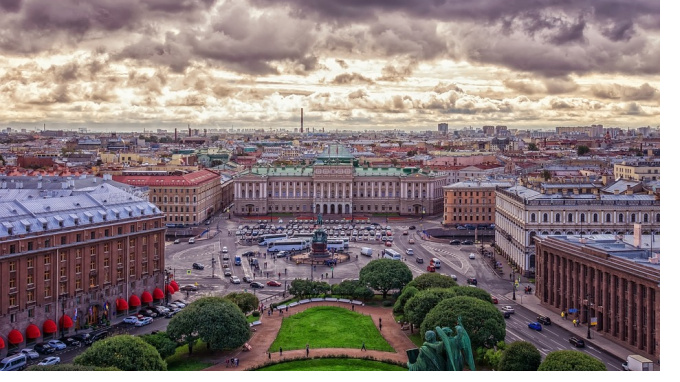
588 316
63 313
514 286
213 265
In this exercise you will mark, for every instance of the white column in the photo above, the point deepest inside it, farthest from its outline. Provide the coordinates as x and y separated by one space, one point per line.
280 189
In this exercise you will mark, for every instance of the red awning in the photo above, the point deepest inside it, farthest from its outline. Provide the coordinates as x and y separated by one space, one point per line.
65 322
14 337
146 297
169 289
158 294
121 304
49 327
174 285
2 343
32 332
134 301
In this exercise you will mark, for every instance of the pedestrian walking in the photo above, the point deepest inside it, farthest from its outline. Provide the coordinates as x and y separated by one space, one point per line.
562 314
236 362
574 321
326 275
352 307
322 276
269 354
280 351
307 348
286 308
363 346
380 327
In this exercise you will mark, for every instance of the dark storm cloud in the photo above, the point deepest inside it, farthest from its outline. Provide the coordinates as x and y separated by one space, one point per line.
351 78
10 5
644 92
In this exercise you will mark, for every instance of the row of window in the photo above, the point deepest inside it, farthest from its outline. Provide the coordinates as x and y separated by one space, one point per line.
570 218
464 218
472 193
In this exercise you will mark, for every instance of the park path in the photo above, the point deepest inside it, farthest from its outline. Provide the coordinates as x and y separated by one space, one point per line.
267 332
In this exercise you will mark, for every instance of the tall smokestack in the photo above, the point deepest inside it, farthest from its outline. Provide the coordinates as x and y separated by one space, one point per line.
175 134
205 132
189 127
302 121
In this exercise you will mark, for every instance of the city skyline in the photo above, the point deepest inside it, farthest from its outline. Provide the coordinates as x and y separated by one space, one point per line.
361 65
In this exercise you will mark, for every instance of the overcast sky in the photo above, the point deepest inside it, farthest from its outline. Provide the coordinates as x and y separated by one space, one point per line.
364 64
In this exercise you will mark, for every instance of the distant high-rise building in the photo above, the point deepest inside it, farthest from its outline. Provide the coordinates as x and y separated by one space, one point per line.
443 128
488 130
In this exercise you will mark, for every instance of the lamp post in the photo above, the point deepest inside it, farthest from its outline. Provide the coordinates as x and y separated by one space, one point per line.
213 265
63 313
514 286
167 281
588 316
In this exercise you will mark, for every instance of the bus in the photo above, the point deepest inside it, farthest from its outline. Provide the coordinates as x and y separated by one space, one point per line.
267 239
336 244
303 236
392 254
288 245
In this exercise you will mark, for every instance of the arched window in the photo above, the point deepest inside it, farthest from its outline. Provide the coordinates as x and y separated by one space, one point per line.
557 218
583 218
545 233
645 218
545 218
620 218
594 218
632 218
658 218
558 233
609 218
533 218
570 218
531 238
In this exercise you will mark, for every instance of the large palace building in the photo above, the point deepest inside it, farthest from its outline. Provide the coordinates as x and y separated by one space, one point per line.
337 184
74 257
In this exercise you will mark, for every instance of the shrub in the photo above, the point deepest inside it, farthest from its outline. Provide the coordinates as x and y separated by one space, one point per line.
256 314
387 303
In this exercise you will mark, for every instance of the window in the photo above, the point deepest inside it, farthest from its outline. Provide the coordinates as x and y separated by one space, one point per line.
79 268
583 218
46 259
620 218
533 218
594 218
570 218
557 218
106 248
13 301
46 276
30 295
12 282
93 264
632 218
645 218
79 284
545 218
29 279
29 263
119 245
106 261
608 218
48 291
62 272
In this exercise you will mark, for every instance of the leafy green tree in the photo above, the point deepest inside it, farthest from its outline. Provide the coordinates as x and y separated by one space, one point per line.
165 346
345 288
520 356
473 292
308 288
483 322
216 321
582 150
363 292
384 275
405 295
417 307
571 360
247 302
491 357
432 280
533 147
124 352
546 175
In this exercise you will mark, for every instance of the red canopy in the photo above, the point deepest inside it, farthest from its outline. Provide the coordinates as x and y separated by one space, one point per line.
121 304
49 327
14 337
174 285
134 301
169 289
65 322
32 332
146 297
158 294
2 343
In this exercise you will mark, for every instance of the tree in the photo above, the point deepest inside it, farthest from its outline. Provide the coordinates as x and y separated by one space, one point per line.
308 288
571 360
165 346
216 321
473 292
345 288
247 302
418 306
483 322
384 275
70 367
124 352
582 150
432 280
405 295
533 147
520 356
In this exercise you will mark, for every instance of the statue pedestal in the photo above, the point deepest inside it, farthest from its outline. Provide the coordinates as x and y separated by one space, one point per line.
319 250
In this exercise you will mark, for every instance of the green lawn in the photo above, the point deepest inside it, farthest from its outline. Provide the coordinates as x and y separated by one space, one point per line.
181 361
329 327
333 364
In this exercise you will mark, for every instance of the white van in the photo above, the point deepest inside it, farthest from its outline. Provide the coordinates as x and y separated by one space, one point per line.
435 261
367 251
14 362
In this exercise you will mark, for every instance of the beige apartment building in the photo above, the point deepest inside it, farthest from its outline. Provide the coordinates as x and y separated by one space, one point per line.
640 171
471 202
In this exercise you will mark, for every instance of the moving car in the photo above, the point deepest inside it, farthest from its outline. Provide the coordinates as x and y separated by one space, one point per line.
535 326
189 287
225 250
454 242
494 299
235 280
176 241
409 251
472 256
454 277
467 242
419 260
256 285
543 320
98 335
30 353
405 233
506 314
472 281
57 344
508 308
227 272
388 244
70 341
431 268
412 227
192 240
411 241
50 361
198 266
273 283
130 320
84 338
144 321
247 279
579 343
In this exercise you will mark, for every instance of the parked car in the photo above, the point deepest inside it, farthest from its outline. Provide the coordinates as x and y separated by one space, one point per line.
30 353
412 227
44 348
227 272
189 287
98 335
454 242
57 344
84 338
579 343
70 341
273 283
247 279
543 320
144 321
198 266
177 241
225 250
388 244
454 277
192 240
466 242
50 361
419 260
130 320
535 326
256 285
494 300
180 303
472 281
508 308
235 280
147 313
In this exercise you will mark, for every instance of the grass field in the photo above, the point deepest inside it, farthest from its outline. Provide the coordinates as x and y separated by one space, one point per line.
333 364
329 327
181 361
